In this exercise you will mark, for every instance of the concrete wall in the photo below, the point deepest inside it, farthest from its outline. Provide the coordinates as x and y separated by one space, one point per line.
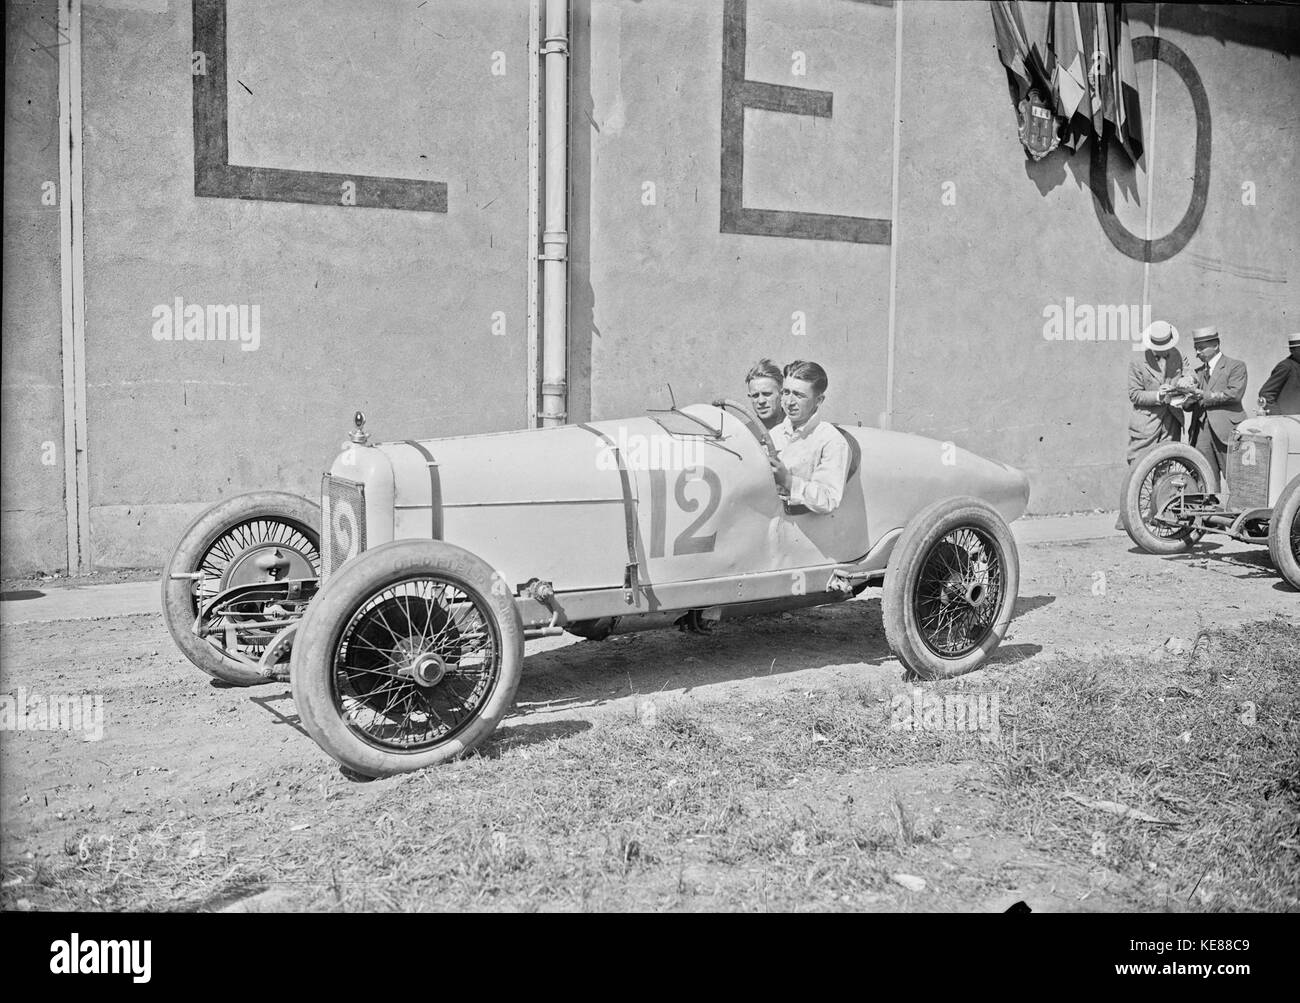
660 295
986 240
385 309
684 267
1239 270
33 523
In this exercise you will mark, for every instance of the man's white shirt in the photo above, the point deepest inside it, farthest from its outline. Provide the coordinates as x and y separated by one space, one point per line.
818 458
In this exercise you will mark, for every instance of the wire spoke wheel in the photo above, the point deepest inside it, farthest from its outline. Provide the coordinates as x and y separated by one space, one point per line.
248 540
960 592
408 657
416 663
239 557
1151 507
1159 488
950 588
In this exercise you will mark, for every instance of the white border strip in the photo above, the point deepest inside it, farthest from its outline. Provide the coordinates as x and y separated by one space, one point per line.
72 283
893 216
1150 152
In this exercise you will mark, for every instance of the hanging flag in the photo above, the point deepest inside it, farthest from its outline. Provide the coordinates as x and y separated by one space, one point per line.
1128 114
1013 47
1082 83
1095 41
1069 72
1029 81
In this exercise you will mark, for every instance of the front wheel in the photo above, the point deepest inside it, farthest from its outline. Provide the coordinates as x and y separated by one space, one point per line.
408 657
221 549
950 588
1284 533
1154 481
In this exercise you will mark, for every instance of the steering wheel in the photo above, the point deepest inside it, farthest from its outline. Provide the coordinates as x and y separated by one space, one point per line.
750 422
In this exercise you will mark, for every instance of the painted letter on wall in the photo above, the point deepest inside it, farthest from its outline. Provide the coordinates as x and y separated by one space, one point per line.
216 177
739 94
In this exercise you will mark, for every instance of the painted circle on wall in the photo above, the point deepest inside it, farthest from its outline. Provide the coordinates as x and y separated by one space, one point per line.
1161 248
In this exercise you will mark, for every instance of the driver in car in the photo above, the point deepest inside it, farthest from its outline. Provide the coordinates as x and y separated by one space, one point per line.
812 455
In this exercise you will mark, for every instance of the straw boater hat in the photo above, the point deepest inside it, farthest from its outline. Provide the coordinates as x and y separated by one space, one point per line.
1159 336
1293 341
1204 335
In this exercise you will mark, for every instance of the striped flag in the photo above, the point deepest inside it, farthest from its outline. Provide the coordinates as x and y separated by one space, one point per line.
1095 42
1128 114
1094 80
1013 46
1069 73
1087 69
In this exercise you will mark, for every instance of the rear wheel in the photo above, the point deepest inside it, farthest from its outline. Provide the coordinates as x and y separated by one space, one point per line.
951 588
1284 533
1154 480
230 544
408 657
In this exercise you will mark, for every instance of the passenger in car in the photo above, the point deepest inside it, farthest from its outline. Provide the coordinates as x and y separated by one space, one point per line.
763 387
812 454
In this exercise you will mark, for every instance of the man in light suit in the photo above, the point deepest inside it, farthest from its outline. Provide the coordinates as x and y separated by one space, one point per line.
1150 378
1221 384
1280 393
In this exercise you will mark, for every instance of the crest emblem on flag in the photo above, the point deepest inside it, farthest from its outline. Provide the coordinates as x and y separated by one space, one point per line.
1039 133
1079 82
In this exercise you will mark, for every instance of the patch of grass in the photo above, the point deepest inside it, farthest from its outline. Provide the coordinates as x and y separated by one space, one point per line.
1206 745
741 804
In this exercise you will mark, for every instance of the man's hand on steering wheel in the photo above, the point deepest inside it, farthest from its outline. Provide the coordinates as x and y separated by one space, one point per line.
781 473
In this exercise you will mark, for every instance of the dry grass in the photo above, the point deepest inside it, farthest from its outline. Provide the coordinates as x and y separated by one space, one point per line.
741 805
1207 742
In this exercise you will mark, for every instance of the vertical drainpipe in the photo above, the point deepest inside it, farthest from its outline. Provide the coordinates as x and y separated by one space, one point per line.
555 238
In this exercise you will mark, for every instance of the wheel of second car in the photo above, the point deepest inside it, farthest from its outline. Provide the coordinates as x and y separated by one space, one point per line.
1154 482
408 657
1284 533
950 588
227 546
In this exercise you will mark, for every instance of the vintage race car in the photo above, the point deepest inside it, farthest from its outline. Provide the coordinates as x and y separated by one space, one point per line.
1166 505
400 606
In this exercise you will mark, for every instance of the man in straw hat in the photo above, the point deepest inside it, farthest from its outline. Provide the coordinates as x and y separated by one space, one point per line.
1150 383
1280 393
1217 410
1151 379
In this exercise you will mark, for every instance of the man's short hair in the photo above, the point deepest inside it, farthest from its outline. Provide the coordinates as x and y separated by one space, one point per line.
810 372
764 369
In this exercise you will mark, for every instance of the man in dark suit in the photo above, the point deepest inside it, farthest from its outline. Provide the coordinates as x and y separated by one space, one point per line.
1280 393
1221 384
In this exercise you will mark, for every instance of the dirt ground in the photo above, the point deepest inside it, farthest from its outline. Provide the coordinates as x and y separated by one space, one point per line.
178 750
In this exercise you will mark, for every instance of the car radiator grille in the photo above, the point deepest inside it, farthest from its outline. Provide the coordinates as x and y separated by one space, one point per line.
1247 476
343 522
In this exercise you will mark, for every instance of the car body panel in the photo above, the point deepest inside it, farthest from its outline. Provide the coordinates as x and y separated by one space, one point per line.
1284 457
708 526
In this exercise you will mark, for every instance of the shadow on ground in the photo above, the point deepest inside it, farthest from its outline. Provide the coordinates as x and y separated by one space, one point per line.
592 673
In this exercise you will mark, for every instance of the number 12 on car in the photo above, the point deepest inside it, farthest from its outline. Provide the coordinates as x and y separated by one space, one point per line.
692 539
